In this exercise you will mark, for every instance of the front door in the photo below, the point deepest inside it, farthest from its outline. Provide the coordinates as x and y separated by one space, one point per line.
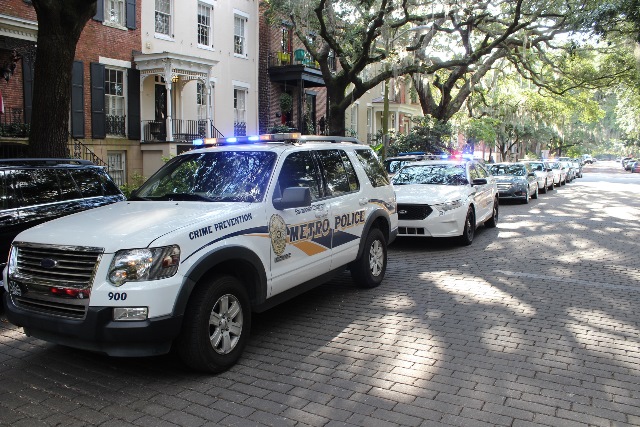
301 237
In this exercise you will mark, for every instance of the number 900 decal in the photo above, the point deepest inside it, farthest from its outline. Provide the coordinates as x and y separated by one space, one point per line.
117 296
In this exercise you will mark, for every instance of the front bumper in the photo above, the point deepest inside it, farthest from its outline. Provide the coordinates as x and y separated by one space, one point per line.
449 224
98 332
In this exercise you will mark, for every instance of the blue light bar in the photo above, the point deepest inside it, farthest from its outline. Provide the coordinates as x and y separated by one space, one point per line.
232 139
254 138
198 142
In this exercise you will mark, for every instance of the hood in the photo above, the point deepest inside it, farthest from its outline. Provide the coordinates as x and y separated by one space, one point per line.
128 224
429 193
508 178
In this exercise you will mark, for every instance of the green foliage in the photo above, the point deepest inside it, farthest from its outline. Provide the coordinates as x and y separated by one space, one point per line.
280 129
286 103
135 181
428 135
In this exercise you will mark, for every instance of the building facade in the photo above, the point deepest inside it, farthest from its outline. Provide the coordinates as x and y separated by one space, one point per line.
198 67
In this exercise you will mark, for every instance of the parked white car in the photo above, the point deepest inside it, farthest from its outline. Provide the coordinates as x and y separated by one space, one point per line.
443 198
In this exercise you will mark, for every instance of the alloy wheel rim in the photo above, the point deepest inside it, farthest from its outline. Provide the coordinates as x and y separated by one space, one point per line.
376 258
225 324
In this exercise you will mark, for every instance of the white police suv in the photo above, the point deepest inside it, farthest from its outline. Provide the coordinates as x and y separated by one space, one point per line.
215 234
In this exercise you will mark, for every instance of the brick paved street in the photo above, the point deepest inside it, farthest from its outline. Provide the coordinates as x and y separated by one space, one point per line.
536 323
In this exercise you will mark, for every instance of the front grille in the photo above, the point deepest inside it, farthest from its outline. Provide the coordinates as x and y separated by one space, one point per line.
410 231
53 280
503 186
410 212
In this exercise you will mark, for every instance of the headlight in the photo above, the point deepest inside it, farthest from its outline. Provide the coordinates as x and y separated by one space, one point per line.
13 261
448 206
137 265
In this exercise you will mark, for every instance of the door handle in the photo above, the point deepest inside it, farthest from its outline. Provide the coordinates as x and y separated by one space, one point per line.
322 213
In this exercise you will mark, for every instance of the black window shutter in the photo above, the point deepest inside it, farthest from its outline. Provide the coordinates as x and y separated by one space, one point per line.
27 87
98 124
131 14
77 100
133 103
99 16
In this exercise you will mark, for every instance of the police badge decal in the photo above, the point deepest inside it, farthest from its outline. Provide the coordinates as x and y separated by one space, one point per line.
278 234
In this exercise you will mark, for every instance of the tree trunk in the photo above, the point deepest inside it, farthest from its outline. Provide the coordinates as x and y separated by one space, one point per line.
60 24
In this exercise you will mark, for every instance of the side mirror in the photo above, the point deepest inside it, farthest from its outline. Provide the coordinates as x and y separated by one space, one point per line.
293 197
549 170
479 181
531 174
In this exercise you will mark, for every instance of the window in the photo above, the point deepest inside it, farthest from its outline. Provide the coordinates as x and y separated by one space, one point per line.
115 12
204 25
201 101
163 17
116 161
338 171
299 170
114 102
354 120
286 43
372 167
240 111
239 37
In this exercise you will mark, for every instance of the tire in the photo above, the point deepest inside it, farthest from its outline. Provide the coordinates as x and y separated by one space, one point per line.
217 308
545 188
552 186
526 197
368 270
492 222
535 194
563 182
469 231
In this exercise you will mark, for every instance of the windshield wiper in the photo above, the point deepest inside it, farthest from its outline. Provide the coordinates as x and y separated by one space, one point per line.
187 197
137 199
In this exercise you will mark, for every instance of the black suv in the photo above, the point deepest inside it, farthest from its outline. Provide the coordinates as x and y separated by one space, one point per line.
33 191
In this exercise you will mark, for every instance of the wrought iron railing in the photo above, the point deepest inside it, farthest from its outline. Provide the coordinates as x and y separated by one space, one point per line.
239 129
183 130
116 125
78 150
12 124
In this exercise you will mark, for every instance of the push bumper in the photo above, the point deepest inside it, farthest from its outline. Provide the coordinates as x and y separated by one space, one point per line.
98 332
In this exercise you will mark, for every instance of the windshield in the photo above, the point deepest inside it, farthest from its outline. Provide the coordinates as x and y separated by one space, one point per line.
432 174
220 176
554 165
392 166
517 170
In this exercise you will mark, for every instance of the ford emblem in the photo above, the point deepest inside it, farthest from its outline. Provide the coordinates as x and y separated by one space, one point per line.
48 263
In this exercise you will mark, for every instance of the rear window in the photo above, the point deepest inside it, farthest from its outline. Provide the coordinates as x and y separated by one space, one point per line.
94 183
36 186
372 167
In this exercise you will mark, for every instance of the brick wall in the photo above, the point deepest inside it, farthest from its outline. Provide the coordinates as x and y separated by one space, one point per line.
99 40
269 92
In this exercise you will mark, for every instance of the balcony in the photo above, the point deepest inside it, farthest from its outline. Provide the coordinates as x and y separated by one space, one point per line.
12 124
115 125
183 130
292 67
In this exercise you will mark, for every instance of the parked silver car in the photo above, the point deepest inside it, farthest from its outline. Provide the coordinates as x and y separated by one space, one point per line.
515 181
544 174
559 173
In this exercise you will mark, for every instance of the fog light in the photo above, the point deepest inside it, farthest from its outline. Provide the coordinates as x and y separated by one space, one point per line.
130 313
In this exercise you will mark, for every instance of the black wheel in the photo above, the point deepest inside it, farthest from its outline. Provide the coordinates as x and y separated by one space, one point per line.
552 186
563 182
544 189
368 270
469 228
525 200
216 325
535 194
495 215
